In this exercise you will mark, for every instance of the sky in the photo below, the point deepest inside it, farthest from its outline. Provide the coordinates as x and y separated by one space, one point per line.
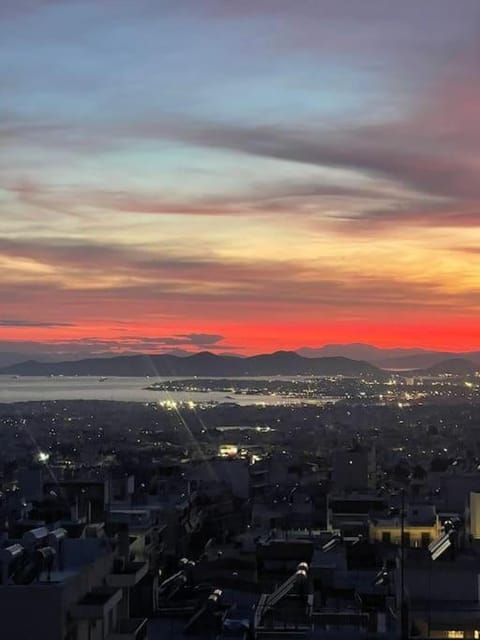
239 176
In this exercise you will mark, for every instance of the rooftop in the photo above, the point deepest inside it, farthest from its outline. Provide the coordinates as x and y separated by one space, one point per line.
77 553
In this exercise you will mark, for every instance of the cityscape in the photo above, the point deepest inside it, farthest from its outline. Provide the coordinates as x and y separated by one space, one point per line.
210 517
239 320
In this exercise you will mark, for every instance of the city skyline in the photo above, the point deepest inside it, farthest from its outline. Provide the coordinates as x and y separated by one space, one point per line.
239 177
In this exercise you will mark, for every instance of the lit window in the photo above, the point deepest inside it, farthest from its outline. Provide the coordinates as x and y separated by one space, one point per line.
455 634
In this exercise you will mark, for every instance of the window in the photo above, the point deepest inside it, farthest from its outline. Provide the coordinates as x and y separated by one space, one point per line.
386 537
453 633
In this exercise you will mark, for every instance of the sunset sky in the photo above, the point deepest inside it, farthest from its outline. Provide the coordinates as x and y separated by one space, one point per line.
239 175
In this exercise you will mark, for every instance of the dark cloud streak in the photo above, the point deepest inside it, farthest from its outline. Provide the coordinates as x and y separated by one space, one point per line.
8 322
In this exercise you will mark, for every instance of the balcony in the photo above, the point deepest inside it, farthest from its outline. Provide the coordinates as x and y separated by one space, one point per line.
96 604
130 629
127 576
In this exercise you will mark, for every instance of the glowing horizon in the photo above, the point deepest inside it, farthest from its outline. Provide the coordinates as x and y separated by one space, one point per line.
239 177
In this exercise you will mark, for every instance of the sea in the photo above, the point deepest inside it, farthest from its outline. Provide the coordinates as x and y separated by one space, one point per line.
122 389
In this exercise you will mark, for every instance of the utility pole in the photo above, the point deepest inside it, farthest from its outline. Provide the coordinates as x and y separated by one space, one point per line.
403 606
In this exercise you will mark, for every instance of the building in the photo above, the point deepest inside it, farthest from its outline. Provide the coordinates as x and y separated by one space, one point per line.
57 588
443 595
474 510
422 525
354 469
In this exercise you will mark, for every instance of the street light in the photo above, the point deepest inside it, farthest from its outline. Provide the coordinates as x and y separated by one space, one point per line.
403 604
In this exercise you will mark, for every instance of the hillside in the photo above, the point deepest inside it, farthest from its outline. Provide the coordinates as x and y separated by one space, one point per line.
199 364
454 366
388 358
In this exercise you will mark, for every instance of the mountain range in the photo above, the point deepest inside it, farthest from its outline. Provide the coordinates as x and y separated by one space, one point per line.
453 366
397 358
199 364
287 363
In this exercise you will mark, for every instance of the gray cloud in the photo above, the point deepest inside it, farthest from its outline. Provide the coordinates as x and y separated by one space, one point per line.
93 346
371 150
432 150
245 290
184 340
201 339
9 322
259 198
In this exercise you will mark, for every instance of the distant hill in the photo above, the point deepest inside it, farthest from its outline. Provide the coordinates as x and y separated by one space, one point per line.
428 359
8 358
357 351
199 364
398 358
454 366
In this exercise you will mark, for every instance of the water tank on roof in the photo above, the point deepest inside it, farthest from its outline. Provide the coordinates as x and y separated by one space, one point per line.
34 536
11 553
56 535
8 555
46 555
